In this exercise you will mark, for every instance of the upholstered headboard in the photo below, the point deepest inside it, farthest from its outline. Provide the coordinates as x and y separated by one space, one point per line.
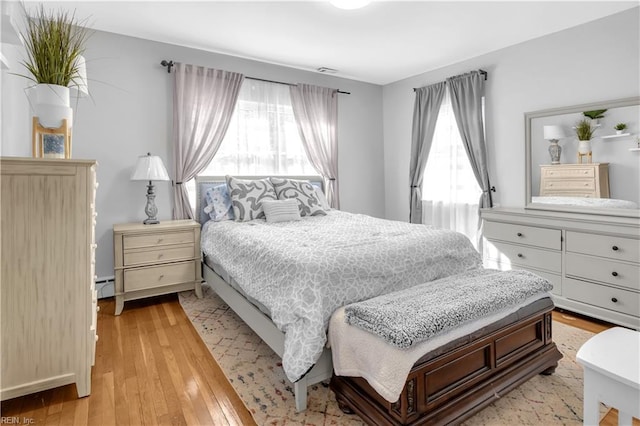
203 183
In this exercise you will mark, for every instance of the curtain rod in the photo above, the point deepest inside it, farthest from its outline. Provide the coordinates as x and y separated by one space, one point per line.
170 64
483 72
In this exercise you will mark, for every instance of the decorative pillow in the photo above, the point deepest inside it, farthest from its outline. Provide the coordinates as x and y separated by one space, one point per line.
218 203
247 197
302 191
281 210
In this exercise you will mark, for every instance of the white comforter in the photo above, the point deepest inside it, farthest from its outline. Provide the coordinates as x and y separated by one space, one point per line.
302 271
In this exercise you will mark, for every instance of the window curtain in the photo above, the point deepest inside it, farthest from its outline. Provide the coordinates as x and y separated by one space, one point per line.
467 94
316 112
425 115
263 137
203 103
450 194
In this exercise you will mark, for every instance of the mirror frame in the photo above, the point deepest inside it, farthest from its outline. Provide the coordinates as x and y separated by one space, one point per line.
529 116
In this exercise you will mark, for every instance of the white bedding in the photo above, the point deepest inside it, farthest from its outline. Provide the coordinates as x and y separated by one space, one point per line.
357 353
302 271
587 202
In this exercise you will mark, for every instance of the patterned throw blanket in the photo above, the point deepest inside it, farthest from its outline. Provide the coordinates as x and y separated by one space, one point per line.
411 316
302 271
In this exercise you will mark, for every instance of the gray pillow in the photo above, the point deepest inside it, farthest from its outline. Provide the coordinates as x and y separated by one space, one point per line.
247 197
281 210
302 191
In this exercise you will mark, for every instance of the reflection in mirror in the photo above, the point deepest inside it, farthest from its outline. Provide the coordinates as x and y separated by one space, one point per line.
585 158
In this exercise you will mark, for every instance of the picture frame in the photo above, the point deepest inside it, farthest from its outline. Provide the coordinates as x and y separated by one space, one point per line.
51 142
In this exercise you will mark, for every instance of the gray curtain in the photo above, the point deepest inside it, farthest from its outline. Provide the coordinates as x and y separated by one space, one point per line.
316 113
467 92
203 103
425 114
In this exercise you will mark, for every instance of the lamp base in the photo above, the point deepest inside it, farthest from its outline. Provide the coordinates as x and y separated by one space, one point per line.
150 208
554 151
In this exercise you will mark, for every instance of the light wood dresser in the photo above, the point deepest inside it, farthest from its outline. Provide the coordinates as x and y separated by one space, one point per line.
575 180
47 278
593 261
156 259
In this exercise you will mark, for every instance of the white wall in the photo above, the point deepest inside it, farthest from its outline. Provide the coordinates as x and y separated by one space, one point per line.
130 113
593 62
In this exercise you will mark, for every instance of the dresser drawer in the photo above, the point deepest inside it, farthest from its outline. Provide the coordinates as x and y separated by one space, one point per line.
568 173
159 276
522 234
153 240
618 248
526 257
603 296
163 255
570 185
604 270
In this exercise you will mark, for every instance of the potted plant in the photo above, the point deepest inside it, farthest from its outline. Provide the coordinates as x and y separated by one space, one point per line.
584 132
54 44
620 128
595 115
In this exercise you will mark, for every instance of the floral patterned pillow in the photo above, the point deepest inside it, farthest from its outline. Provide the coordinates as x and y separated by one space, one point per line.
247 197
219 203
303 192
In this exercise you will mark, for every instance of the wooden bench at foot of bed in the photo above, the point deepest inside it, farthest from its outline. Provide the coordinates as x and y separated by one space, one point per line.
444 388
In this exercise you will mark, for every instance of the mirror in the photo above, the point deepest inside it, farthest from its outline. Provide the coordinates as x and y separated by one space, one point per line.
598 177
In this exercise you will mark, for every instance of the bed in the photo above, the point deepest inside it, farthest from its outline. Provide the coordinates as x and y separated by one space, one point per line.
259 278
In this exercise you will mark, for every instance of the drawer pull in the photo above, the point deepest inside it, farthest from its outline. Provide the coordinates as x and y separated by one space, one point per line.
614 273
614 248
614 300
160 277
161 255
520 255
519 234
160 240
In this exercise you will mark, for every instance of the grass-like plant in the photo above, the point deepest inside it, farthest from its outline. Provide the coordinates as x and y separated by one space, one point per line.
53 42
584 131
620 126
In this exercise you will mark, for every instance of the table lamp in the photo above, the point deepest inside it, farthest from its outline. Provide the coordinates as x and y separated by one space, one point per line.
553 134
150 167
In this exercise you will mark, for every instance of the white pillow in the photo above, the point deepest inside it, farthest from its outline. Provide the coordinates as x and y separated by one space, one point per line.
281 210
321 197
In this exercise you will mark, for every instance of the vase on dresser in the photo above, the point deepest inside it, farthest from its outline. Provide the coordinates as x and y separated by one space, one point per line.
554 151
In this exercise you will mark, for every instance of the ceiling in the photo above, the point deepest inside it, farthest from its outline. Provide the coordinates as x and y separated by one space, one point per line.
383 42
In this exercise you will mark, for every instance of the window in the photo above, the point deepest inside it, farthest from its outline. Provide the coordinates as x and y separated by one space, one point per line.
263 137
450 193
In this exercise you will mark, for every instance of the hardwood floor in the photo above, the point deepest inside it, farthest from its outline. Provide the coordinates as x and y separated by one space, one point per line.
152 369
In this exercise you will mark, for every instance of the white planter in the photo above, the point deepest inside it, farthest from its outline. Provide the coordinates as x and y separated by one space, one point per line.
584 147
51 104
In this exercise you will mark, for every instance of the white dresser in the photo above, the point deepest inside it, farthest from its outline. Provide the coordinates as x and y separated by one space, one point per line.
47 290
593 261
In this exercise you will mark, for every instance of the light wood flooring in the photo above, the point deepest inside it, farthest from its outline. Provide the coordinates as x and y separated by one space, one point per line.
152 369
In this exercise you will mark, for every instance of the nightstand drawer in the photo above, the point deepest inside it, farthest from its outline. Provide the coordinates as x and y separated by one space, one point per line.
604 270
153 240
522 234
569 185
168 254
159 276
569 172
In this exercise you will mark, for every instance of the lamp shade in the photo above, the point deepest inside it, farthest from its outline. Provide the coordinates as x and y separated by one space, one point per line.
553 132
150 167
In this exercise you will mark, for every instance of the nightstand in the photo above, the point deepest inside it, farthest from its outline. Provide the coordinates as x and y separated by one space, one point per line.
151 260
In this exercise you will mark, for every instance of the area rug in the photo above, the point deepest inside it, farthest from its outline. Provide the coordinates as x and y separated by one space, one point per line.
256 374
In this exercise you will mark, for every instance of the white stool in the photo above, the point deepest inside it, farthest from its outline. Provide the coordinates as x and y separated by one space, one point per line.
611 362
